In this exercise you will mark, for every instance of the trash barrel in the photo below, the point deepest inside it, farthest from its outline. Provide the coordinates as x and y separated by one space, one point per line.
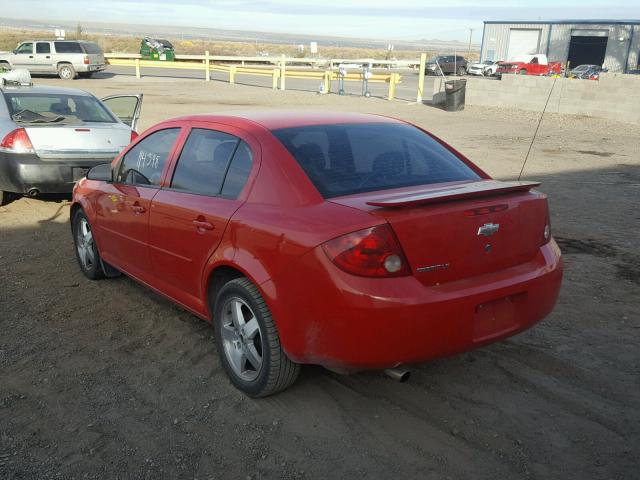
455 91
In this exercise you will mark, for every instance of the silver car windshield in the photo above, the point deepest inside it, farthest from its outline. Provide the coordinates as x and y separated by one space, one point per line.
56 108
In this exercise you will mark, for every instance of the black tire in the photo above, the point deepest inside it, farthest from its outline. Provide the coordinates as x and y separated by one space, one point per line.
461 71
66 71
276 372
7 197
86 251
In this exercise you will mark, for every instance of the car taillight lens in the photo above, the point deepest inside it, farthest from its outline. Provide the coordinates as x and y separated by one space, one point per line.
17 141
372 252
134 135
86 60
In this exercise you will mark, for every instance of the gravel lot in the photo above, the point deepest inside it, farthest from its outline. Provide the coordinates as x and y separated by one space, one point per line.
107 380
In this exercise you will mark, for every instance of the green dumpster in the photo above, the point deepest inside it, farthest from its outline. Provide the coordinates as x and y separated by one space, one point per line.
157 49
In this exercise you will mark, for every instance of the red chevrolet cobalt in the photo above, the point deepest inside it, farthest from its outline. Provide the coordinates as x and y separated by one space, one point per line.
349 241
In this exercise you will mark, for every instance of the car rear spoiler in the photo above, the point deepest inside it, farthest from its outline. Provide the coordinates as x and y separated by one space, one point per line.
483 188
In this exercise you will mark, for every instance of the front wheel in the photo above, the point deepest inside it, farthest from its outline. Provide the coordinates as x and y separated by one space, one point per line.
86 249
248 341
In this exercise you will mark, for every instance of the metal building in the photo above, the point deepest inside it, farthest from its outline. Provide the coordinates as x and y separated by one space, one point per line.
615 44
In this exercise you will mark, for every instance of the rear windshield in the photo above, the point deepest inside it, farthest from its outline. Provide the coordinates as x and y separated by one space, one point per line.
91 48
68 47
56 108
353 158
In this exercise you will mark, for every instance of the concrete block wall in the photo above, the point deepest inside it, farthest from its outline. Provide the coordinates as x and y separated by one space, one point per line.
614 96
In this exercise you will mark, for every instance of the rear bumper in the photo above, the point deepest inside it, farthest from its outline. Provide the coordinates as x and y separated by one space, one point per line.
20 173
352 323
94 67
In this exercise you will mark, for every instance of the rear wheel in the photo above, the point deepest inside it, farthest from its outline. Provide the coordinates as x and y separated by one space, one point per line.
66 71
461 71
248 341
86 249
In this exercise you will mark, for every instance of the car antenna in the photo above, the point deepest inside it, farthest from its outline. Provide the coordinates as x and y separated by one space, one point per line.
538 127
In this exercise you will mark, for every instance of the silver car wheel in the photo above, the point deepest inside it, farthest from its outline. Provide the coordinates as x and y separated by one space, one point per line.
241 339
66 73
84 244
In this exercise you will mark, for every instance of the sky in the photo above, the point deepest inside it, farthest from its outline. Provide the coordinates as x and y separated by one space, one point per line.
381 19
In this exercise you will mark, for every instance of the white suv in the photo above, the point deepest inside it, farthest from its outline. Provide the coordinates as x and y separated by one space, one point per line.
66 58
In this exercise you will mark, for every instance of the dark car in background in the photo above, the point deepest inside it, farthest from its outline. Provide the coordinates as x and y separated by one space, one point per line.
449 64
587 72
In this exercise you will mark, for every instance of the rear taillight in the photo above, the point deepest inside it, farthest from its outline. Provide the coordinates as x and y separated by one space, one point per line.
17 141
86 59
134 135
372 252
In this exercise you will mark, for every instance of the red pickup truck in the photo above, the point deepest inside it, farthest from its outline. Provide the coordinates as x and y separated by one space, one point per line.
530 65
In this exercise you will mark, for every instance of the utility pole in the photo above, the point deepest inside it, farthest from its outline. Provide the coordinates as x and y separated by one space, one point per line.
470 37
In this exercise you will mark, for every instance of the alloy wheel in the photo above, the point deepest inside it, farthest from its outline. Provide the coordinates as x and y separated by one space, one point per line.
241 339
84 244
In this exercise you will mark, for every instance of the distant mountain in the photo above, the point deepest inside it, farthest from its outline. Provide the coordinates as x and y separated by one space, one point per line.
197 33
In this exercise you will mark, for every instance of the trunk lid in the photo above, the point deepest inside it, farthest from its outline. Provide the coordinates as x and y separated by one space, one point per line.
80 141
448 233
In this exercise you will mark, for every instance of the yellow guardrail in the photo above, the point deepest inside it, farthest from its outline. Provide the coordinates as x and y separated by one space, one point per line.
278 73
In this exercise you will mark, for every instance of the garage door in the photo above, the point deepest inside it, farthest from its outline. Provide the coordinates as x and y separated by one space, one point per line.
523 42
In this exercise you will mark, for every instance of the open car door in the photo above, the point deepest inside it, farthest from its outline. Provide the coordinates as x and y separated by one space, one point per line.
125 107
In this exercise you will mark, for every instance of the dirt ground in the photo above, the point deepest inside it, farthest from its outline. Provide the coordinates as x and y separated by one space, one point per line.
107 380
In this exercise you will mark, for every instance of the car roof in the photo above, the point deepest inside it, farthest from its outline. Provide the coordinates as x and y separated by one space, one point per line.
276 119
43 89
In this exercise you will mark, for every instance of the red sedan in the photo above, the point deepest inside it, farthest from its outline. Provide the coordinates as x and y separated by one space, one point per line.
350 241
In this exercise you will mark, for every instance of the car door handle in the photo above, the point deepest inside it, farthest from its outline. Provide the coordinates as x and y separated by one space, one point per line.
203 225
137 209
48 56
30 56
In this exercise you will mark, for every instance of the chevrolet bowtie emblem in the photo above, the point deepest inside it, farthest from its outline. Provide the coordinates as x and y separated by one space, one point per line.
488 229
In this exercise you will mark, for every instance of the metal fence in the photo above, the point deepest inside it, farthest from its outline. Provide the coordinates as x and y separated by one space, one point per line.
323 71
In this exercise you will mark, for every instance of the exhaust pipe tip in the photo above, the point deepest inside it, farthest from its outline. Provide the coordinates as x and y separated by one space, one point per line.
399 374
33 192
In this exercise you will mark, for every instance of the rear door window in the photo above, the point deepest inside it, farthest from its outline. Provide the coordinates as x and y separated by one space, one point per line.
238 171
203 162
43 47
144 163
352 158
212 163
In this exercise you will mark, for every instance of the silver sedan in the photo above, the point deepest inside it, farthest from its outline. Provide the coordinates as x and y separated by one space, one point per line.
50 136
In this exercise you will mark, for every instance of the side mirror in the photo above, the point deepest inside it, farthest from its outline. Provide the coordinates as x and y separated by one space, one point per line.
101 173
